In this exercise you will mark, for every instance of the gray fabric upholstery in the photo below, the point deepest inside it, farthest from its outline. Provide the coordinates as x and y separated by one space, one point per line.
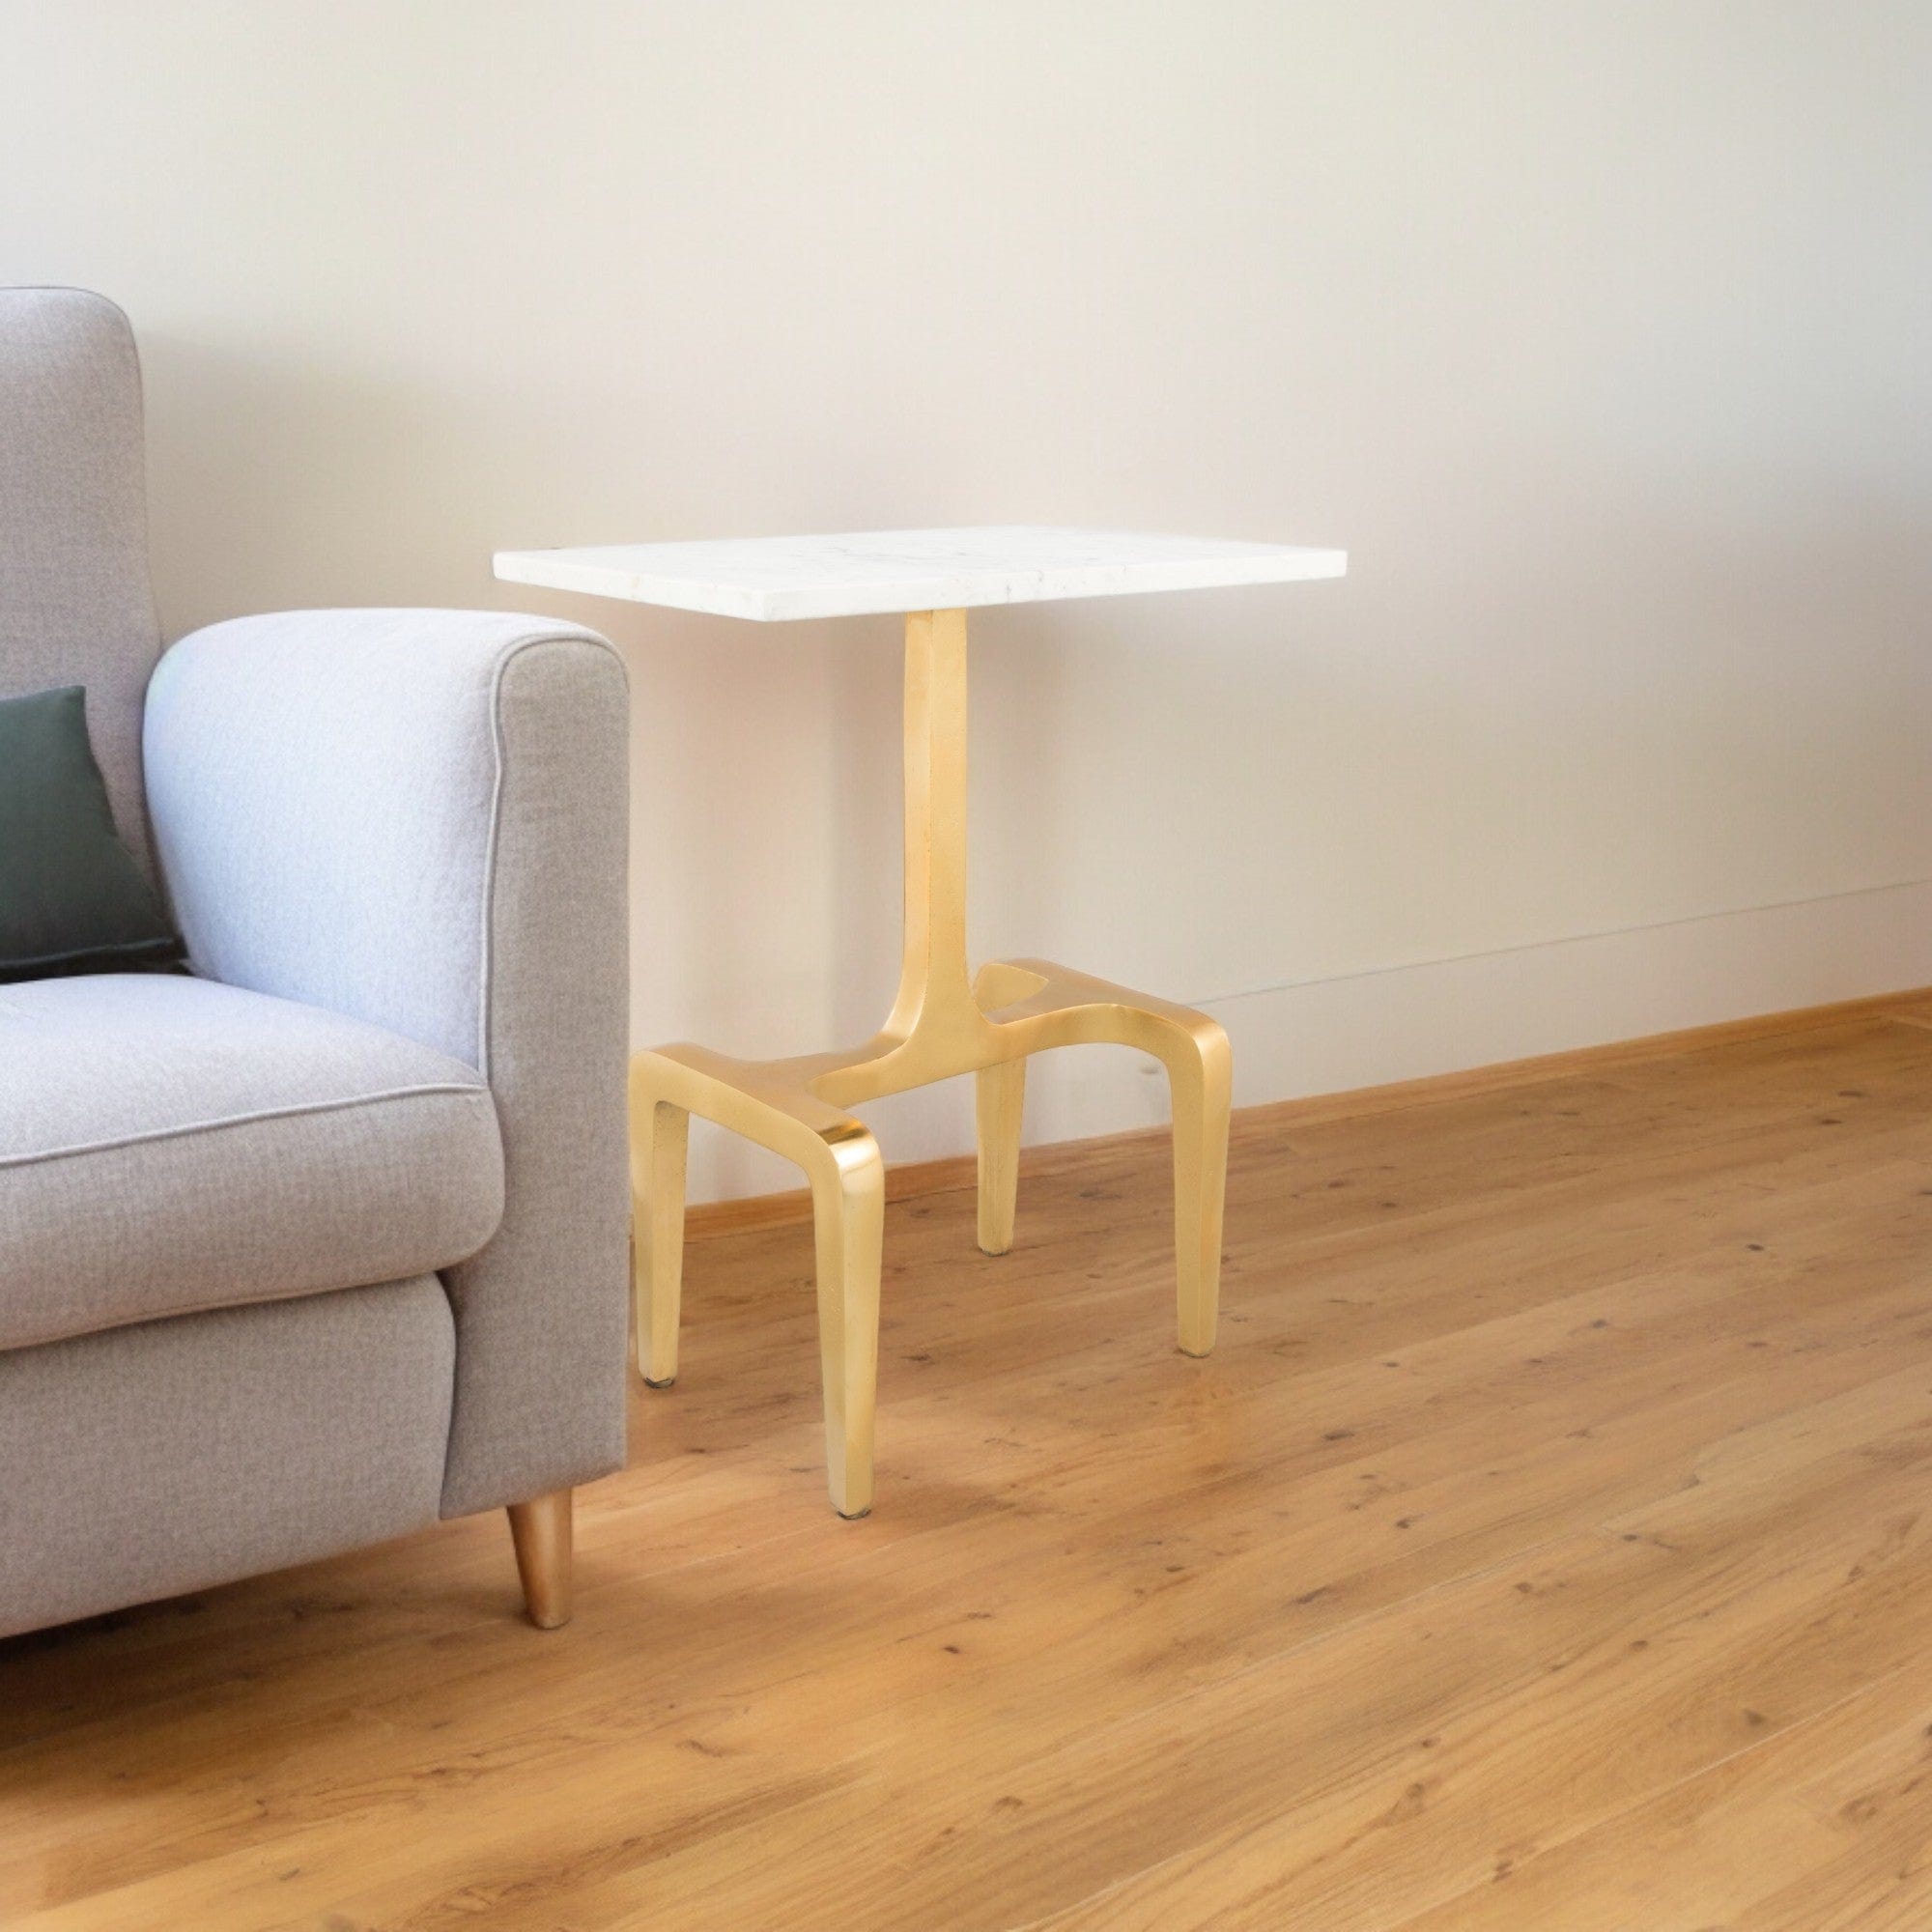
167 1144
418 818
74 602
400 837
153 1460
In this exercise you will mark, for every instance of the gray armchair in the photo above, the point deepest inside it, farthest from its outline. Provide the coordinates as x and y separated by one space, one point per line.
325 1239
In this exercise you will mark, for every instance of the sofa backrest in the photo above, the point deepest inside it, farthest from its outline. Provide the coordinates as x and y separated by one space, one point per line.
75 606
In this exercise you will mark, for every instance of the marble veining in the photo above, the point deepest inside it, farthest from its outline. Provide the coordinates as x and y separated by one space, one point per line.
773 579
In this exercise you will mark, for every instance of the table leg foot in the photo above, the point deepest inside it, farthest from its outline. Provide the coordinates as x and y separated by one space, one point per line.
1001 1096
848 1197
1198 1068
660 1137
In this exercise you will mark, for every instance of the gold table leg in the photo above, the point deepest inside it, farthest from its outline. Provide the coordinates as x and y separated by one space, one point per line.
942 1024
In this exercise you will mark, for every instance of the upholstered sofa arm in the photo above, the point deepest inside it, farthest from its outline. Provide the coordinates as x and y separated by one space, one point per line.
419 817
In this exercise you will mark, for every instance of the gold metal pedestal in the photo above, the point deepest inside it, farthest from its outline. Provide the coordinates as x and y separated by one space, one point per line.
943 1023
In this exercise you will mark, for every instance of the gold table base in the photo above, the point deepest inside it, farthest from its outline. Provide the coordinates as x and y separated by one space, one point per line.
942 1024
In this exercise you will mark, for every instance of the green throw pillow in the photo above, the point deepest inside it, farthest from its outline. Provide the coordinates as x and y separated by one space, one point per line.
72 898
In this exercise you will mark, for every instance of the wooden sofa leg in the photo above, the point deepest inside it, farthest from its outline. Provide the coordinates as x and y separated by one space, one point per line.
540 1528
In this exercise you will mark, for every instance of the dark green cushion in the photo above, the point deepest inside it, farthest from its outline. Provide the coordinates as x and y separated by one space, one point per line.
72 898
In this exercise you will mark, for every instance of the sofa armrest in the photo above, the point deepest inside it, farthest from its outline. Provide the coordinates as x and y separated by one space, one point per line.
420 819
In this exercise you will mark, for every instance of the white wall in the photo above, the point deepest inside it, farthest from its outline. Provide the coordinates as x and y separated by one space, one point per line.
1596 330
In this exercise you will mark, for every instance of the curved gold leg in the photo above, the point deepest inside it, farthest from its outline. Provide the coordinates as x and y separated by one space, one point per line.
848 1212
1067 1009
999 1101
1199 1073
660 1137
841 1161
1000 1095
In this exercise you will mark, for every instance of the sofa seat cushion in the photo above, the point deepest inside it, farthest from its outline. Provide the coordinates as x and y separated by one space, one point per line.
168 1145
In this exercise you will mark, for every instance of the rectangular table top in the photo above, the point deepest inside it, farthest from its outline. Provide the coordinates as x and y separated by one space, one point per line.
769 579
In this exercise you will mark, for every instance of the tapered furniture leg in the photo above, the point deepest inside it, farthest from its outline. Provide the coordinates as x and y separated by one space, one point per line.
659 1139
1055 1006
840 1162
1001 1096
848 1197
541 1529
1199 1071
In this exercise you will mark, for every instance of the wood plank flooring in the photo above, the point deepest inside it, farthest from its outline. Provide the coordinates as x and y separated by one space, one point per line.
1548 1545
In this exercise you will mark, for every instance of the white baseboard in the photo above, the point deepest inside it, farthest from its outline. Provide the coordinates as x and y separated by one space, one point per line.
1438 1016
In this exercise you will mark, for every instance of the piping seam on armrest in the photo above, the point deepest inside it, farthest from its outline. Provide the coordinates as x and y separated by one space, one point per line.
215 1125
488 949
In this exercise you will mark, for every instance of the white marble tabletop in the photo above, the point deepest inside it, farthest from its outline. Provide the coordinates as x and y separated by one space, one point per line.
770 579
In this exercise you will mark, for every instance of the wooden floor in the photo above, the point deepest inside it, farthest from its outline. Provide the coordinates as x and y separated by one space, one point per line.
1548 1545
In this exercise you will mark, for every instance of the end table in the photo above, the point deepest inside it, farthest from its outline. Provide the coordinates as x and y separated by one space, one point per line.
945 1021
